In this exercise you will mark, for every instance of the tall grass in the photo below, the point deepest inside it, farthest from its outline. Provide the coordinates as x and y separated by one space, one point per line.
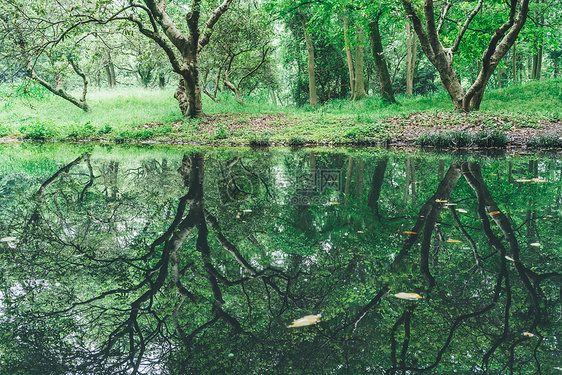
28 110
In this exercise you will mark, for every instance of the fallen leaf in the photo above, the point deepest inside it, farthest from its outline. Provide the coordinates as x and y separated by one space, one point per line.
509 258
334 202
305 321
246 211
408 296
523 180
536 244
410 232
8 239
462 210
360 231
494 212
453 241
528 334
440 201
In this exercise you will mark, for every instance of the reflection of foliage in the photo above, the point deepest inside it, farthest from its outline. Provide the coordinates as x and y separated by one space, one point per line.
149 267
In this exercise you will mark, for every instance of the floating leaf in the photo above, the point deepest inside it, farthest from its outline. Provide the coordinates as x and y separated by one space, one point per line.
111 204
528 334
334 202
246 211
509 258
523 180
410 232
441 201
453 241
536 244
360 231
408 296
494 212
305 321
462 210
450 204
8 239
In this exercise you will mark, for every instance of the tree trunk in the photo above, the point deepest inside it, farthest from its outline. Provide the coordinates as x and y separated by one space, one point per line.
234 89
349 58
380 62
514 63
412 46
376 184
188 95
442 58
310 49
537 62
359 65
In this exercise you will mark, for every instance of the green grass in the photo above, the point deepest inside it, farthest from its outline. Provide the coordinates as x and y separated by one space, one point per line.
28 111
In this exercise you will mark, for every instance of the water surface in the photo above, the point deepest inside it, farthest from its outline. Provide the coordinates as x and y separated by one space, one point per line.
196 261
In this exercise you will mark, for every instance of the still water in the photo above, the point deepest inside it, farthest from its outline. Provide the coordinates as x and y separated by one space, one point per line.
125 260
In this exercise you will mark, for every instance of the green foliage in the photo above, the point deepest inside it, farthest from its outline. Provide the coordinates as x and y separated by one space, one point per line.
259 140
39 130
221 132
546 141
483 138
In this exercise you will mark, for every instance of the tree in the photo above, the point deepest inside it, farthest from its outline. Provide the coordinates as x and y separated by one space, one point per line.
429 33
33 35
182 50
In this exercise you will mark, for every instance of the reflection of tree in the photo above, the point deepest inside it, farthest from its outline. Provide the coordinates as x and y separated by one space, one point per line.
179 280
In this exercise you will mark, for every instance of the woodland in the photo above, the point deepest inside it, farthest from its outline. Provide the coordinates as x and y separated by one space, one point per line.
307 55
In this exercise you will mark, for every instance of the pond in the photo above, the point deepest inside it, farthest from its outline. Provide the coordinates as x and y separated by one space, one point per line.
149 260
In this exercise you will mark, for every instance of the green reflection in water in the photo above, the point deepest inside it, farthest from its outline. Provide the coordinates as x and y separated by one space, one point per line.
128 260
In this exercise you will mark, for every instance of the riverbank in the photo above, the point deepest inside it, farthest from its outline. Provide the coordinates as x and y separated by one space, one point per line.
523 117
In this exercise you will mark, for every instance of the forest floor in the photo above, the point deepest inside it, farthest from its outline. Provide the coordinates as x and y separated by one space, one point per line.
443 129
518 117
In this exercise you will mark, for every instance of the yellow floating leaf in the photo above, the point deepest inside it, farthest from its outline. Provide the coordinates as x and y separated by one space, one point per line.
536 244
360 231
408 296
462 210
453 241
415 182
334 202
494 212
8 239
410 232
528 334
305 321
111 204
440 201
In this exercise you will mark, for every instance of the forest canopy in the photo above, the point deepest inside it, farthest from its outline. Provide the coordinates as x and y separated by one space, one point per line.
303 53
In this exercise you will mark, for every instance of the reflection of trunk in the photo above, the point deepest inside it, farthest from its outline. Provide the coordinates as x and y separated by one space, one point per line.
514 63
311 63
376 184
488 208
348 179
407 182
359 180
380 62
427 216
110 178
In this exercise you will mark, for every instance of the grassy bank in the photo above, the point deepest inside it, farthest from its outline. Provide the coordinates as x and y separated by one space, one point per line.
132 115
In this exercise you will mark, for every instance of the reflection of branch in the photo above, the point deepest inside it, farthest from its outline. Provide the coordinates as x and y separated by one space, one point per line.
432 207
